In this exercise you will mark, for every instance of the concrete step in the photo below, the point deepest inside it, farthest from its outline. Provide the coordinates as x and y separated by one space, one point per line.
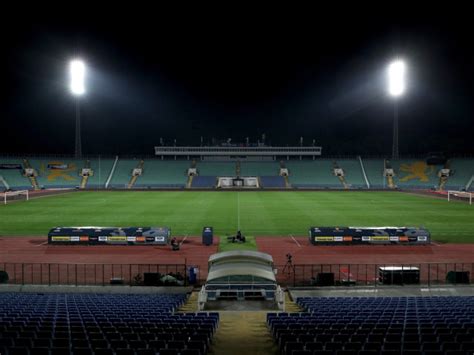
242 333
191 304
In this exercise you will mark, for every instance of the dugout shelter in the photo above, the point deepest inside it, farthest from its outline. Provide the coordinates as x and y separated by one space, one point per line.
240 275
110 235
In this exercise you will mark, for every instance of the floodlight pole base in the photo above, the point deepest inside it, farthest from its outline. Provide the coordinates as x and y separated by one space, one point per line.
395 154
78 145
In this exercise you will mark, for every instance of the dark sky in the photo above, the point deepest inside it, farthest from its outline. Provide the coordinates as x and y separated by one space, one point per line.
236 75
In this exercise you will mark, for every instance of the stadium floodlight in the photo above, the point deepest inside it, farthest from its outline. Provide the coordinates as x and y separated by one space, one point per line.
77 72
396 78
396 87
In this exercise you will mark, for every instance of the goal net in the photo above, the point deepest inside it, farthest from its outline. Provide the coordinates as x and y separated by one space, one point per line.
10 196
460 195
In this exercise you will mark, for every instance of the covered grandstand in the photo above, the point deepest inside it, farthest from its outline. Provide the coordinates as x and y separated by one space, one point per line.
319 173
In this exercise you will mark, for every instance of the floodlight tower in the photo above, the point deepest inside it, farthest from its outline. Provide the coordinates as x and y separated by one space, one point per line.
396 88
77 73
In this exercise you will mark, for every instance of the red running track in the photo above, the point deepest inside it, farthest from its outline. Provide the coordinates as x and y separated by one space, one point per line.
304 252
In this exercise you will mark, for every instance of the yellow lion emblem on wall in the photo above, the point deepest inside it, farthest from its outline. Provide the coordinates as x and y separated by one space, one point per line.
53 174
417 170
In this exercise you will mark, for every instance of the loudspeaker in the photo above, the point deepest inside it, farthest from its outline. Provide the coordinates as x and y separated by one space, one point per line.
325 279
151 278
457 277
400 277
116 281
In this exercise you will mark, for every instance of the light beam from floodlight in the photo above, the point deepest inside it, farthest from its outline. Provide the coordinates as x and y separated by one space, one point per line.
396 78
77 72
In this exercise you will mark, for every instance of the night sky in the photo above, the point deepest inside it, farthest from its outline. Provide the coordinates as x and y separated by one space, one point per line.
236 75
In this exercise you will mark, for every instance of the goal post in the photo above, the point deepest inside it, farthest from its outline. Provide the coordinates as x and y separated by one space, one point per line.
460 195
9 196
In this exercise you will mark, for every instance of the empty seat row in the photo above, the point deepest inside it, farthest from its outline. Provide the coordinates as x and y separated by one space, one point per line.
89 324
385 325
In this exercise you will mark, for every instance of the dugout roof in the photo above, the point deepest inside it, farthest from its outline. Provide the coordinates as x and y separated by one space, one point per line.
241 265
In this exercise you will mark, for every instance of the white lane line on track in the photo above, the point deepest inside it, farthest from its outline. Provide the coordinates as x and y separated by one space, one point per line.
299 245
183 240
42 244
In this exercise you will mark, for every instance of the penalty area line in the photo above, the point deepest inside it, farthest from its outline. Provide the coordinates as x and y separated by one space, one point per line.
298 244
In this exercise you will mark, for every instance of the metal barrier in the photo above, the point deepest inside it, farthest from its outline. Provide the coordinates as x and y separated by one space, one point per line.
87 274
368 274
430 274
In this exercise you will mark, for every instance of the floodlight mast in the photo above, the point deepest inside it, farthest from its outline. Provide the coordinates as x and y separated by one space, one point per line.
396 88
77 72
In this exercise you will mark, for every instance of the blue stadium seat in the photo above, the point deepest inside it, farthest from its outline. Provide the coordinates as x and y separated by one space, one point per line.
385 325
105 324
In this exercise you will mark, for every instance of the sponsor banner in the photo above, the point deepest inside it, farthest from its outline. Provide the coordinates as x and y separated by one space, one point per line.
394 239
338 239
131 239
11 166
84 238
422 238
159 239
117 238
61 239
93 238
57 166
356 238
140 239
75 239
378 238
150 239
403 238
365 239
102 238
412 239
348 239
324 239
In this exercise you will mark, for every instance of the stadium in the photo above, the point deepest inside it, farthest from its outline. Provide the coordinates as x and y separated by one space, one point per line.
225 245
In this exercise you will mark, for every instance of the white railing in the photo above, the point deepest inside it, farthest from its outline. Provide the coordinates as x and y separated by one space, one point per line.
469 183
111 172
363 172
280 298
4 182
256 151
202 298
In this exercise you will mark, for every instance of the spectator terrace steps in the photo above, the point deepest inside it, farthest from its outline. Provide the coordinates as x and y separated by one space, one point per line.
243 333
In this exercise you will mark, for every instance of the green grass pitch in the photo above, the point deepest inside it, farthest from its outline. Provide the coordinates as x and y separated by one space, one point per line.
256 213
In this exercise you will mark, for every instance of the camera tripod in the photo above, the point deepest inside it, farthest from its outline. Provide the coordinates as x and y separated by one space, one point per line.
289 268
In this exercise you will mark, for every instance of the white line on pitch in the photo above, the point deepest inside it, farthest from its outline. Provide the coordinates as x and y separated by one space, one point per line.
238 211
295 240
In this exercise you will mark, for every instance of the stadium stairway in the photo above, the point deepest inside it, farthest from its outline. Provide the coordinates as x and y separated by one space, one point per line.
33 180
390 182
134 178
443 179
243 333
341 178
285 177
389 179
85 178
290 305
189 183
191 304
237 168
